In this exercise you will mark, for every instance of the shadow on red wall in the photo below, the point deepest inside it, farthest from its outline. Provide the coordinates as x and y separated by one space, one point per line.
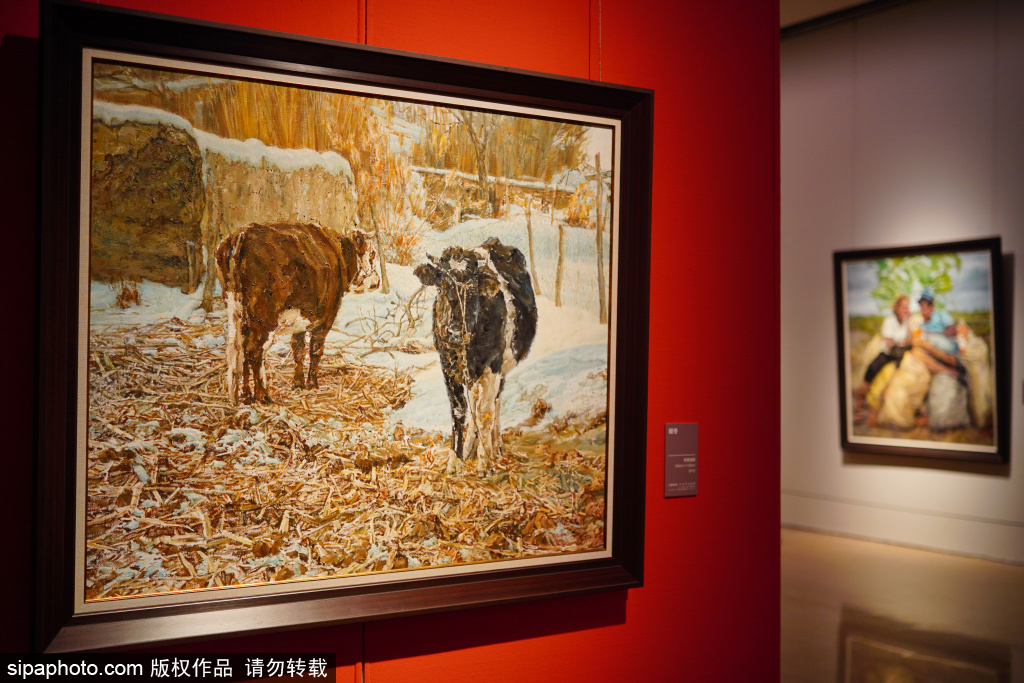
19 74
436 633
465 629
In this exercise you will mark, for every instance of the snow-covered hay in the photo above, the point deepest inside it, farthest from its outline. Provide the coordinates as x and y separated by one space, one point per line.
147 203
249 182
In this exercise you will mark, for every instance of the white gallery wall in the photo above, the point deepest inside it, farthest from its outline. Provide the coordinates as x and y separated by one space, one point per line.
900 127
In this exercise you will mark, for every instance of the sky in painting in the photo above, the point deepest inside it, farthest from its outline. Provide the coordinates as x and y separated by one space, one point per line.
971 289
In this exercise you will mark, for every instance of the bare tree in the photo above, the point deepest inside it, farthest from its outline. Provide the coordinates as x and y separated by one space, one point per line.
561 264
480 128
384 286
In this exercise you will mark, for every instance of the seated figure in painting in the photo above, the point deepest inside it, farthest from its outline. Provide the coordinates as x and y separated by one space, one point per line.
937 332
935 343
895 337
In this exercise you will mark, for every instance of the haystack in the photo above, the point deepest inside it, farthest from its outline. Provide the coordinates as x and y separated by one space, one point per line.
147 203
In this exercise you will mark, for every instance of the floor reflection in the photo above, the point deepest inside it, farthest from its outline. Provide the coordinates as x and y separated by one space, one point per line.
856 612
876 649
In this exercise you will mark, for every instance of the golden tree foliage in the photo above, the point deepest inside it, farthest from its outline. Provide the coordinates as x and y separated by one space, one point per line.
581 204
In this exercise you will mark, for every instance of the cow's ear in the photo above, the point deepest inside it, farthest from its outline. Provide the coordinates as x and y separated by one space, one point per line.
428 273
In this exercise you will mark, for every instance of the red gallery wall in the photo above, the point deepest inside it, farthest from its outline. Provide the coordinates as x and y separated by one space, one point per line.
710 608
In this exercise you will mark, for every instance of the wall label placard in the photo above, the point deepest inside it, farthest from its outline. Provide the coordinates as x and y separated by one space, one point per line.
680 459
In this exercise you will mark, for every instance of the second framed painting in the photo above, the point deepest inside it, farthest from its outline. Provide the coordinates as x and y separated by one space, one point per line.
330 333
922 350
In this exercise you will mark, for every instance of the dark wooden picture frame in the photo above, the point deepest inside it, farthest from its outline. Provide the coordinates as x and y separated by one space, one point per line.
892 405
68 32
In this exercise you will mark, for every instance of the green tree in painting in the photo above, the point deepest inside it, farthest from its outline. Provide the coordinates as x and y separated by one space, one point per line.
898 275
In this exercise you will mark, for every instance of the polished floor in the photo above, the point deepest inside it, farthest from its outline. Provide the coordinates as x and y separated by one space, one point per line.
855 611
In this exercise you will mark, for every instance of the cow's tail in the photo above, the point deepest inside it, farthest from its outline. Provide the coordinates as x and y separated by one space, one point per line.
228 255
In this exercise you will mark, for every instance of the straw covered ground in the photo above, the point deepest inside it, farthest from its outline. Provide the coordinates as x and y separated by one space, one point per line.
185 491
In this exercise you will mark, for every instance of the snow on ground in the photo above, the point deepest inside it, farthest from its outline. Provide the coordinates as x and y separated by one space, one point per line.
159 303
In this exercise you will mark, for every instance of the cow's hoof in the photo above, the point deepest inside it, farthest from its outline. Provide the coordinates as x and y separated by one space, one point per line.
298 384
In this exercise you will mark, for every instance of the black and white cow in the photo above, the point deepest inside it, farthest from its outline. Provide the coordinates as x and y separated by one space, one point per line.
485 319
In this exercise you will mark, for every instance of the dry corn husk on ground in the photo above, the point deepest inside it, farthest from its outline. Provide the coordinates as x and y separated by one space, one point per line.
187 492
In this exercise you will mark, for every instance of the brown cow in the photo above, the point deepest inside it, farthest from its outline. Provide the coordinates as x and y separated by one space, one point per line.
288 278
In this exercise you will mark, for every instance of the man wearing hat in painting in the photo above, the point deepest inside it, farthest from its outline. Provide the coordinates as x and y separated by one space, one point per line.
936 346
938 328
935 338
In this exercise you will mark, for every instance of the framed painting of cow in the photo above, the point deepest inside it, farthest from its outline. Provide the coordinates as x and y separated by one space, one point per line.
922 350
329 333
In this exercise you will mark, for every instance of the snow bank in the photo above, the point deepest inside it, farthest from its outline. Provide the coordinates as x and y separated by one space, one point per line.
564 367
